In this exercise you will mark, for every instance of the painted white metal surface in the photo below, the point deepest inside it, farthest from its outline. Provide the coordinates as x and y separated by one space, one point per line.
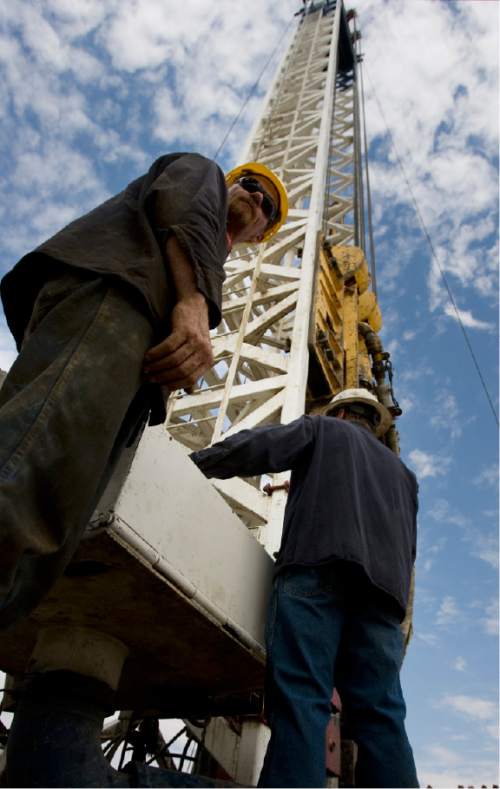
171 515
235 750
253 743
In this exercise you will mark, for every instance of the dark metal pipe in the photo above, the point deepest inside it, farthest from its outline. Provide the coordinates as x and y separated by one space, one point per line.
381 365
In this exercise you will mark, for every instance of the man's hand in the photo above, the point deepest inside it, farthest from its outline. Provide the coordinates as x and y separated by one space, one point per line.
186 353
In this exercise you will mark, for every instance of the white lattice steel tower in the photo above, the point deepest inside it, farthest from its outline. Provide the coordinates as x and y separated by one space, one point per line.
307 134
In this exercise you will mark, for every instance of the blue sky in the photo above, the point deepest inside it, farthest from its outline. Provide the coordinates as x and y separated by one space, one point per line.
93 92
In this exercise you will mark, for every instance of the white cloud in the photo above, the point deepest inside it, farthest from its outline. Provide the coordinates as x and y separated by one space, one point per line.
46 171
441 512
427 464
427 554
487 476
55 184
448 612
446 414
491 621
446 135
485 547
393 347
443 756
467 319
417 372
460 663
8 350
80 17
441 766
471 706
145 35
193 53
407 403
7 360
430 639
492 731
479 773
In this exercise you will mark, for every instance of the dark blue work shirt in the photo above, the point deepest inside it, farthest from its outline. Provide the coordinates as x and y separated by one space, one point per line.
350 497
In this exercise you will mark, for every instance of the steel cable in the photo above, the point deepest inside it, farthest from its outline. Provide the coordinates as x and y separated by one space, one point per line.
436 260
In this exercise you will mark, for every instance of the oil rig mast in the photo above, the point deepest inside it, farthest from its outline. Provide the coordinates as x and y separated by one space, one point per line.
165 599
290 337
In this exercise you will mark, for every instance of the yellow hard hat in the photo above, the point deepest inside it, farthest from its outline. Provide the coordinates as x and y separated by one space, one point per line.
260 170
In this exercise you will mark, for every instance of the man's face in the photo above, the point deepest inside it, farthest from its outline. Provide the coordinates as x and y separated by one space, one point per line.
246 218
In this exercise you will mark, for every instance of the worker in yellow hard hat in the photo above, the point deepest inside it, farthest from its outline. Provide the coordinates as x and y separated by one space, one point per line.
110 314
255 194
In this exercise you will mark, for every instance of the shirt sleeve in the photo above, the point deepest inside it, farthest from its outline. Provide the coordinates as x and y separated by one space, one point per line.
259 451
189 199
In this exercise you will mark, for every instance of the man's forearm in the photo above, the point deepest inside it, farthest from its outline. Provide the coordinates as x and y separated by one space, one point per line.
182 357
183 272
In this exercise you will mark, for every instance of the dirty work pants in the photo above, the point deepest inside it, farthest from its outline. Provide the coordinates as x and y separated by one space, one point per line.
67 408
328 626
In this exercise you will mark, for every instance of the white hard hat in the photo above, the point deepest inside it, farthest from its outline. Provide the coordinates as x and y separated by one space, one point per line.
362 396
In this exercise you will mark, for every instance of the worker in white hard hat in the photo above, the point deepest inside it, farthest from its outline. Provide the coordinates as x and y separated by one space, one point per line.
362 406
342 580
108 315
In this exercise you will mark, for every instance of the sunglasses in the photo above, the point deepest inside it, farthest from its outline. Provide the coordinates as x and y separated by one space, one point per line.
268 206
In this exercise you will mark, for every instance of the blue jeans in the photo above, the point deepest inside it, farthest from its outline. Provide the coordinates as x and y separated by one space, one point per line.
329 626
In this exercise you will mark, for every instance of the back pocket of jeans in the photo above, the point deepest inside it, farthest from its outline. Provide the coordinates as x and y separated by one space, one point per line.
307 582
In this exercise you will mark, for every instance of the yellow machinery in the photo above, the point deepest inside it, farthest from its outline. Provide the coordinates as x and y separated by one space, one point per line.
346 351
342 300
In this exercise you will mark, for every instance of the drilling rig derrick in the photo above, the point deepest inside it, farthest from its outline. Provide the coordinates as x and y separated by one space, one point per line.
183 584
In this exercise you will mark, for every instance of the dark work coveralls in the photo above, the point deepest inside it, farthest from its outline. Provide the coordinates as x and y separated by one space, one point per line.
340 593
84 307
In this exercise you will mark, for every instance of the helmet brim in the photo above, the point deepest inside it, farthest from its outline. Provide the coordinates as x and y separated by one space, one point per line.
385 416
